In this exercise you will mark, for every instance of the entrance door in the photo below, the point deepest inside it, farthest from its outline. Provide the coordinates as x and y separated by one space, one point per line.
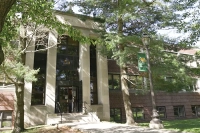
67 97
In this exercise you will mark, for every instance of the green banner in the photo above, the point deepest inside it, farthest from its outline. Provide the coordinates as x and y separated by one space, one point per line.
142 62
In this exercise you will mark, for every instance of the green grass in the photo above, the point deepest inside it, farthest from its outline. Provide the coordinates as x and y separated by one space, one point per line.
47 129
189 125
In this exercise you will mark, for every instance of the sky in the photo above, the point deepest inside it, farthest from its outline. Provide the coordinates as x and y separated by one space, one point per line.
74 8
171 33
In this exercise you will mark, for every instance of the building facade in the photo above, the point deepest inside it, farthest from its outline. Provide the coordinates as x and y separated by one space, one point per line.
170 106
72 74
75 76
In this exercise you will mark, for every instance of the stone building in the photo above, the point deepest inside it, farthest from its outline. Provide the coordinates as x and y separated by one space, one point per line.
75 78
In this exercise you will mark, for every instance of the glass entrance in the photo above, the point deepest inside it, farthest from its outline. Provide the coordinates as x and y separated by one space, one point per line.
68 87
67 97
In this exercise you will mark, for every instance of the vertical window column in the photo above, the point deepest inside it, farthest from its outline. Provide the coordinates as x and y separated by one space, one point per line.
93 76
40 62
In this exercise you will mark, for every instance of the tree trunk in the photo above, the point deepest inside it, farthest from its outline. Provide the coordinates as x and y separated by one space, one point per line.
5 6
19 108
1 55
124 86
126 97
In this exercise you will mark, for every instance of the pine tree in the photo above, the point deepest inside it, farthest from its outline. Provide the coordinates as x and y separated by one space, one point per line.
26 20
123 23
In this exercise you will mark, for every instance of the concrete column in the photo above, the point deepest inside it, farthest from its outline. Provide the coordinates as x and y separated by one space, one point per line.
51 73
103 90
84 61
28 85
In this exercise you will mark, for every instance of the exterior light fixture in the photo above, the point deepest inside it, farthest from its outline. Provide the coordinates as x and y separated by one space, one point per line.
146 39
155 122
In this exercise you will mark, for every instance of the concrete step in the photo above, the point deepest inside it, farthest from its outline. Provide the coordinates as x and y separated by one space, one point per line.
53 119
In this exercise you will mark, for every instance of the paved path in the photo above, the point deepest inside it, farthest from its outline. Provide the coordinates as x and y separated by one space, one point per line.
108 127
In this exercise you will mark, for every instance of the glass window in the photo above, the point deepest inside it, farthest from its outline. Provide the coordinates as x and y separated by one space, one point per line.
137 82
93 92
64 74
67 75
115 115
93 76
195 110
5 119
161 111
138 113
38 87
114 81
68 46
179 111
41 43
69 62
38 90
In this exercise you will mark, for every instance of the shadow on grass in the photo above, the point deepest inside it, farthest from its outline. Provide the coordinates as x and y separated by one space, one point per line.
189 125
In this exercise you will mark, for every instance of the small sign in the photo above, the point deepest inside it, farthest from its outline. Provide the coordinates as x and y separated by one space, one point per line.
142 62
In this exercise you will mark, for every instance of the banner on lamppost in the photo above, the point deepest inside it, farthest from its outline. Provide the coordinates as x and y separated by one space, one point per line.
142 62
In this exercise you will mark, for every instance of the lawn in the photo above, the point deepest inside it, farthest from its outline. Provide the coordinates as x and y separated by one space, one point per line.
47 129
189 125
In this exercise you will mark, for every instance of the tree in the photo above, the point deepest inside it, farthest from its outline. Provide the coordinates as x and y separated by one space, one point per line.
5 6
125 22
187 22
27 19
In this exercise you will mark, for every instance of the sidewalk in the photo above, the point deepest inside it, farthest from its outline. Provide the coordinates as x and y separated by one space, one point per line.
109 127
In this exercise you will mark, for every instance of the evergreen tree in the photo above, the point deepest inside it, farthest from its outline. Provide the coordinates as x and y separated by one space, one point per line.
187 21
26 20
122 24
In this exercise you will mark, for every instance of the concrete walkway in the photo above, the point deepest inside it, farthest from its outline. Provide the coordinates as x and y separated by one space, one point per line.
109 127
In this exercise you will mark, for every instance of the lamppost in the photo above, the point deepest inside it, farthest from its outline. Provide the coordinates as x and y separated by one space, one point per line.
155 122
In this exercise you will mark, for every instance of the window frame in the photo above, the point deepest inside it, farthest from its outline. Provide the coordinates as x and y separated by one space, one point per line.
161 112
180 107
41 73
112 79
195 113
115 113
135 113
93 75
139 83
2 119
43 92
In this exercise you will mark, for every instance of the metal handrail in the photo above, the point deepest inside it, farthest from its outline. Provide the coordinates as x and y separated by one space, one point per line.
59 110
89 107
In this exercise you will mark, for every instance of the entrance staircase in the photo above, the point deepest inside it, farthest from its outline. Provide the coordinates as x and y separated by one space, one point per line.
90 117
87 117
